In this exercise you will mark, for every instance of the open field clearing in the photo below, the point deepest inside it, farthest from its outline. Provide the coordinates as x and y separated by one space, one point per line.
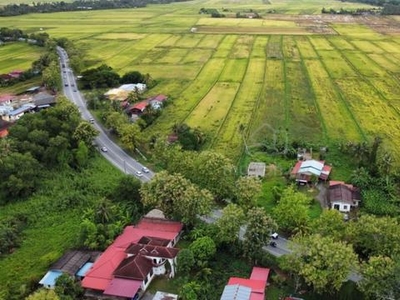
197 56
363 64
225 46
389 47
211 111
259 47
242 47
230 137
250 77
367 47
373 113
387 86
321 43
304 119
234 70
387 61
338 121
340 43
336 65
305 48
189 97
357 31
18 56
270 113
289 47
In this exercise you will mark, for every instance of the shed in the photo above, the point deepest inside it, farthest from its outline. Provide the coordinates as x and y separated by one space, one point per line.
49 280
256 169
165 296
71 262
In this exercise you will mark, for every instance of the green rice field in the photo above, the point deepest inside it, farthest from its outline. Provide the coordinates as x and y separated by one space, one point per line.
17 56
322 79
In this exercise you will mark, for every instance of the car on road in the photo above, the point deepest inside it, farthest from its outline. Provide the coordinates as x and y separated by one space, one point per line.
91 120
145 170
104 149
138 174
274 235
74 90
66 84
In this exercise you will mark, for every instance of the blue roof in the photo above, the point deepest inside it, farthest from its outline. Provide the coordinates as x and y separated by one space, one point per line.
236 292
82 271
50 278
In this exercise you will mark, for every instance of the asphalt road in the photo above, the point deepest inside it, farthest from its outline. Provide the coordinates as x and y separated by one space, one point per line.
115 155
282 244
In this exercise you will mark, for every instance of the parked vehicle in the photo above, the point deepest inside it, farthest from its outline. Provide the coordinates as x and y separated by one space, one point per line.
274 235
272 244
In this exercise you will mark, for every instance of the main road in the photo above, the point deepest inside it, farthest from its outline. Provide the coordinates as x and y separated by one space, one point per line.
115 155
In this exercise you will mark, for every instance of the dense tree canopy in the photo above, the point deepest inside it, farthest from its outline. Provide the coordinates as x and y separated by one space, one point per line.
229 224
322 262
258 231
380 278
373 236
291 212
176 196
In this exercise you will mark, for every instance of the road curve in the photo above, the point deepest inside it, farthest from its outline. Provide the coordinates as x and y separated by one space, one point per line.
115 155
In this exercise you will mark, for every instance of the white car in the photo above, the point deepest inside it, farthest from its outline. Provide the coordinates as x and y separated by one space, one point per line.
104 149
138 174
274 235
145 170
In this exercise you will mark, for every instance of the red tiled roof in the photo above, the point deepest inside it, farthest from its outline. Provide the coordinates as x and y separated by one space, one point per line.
101 273
135 267
162 225
257 282
7 97
259 274
123 288
257 286
140 105
3 132
296 168
153 251
160 98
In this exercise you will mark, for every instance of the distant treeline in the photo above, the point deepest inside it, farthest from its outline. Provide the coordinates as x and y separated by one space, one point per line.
49 7
358 11
389 7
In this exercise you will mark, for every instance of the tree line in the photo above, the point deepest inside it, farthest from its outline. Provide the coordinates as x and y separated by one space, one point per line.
49 7
389 7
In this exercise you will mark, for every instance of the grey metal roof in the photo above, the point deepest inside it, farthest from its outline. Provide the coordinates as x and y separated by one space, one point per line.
236 292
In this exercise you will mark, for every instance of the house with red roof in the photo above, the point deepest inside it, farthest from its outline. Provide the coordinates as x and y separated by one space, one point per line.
342 196
6 99
138 108
247 289
305 169
127 266
16 73
158 101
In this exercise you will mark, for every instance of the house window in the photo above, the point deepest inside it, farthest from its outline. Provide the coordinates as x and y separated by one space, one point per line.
155 260
151 272
145 280
345 207
336 206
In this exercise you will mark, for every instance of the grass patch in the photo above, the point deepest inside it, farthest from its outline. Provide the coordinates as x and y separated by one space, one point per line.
53 220
18 56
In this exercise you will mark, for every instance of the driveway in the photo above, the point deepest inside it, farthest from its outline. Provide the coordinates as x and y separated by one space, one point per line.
322 196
